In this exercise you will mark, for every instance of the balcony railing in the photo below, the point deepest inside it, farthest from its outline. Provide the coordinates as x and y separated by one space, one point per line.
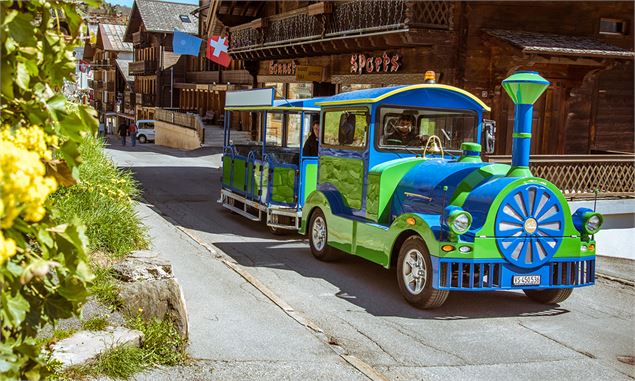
202 77
237 77
582 175
339 20
95 84
145 99
139 38
142 67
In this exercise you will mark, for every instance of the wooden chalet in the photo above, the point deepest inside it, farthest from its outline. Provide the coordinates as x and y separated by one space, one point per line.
202 89
309 48
110 83
155 68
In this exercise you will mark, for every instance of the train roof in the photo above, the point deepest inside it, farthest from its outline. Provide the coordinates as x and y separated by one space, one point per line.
378 94
308 104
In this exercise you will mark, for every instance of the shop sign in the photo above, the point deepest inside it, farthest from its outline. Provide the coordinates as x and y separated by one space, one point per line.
360 63
282 68
308 73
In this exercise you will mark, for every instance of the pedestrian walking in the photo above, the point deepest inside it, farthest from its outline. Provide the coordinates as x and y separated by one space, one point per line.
123 131
132 130
102 129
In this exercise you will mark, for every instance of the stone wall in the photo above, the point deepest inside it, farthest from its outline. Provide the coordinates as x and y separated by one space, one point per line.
172 135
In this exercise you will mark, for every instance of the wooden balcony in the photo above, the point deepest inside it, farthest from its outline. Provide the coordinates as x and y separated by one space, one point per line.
140 39
203 77
145 99
582 175
96 84
142 67
299 31
237 77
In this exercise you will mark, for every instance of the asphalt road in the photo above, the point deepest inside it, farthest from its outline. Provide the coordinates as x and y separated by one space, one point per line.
487 335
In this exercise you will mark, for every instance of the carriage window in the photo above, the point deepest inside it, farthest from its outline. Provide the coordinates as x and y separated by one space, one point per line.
411 128
348 128
293 130
274 129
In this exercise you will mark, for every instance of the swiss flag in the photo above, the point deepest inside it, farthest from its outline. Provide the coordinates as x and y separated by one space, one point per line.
217 50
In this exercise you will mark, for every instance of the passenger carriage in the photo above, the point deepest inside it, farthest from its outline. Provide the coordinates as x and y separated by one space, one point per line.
268 177
427 204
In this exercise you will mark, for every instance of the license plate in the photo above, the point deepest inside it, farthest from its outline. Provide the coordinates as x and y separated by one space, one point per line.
526 280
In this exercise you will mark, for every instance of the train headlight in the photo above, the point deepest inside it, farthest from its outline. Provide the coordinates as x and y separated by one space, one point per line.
459 221
593 223
587 221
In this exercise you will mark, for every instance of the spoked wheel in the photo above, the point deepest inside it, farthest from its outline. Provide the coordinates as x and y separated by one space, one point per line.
550 296
414 275
318 238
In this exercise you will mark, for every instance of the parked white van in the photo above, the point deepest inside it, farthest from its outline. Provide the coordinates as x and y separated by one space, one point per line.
145 131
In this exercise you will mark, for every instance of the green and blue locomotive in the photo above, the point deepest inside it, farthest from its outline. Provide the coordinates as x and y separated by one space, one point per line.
400 182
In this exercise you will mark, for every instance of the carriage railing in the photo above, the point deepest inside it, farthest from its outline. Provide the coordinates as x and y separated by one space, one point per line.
581 175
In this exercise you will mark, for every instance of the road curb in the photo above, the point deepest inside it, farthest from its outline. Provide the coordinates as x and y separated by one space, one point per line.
611 278
366 369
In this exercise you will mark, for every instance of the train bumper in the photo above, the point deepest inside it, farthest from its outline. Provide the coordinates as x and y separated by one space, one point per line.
469 272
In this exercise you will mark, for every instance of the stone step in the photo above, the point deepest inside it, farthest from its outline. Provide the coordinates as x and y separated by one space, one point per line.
85 346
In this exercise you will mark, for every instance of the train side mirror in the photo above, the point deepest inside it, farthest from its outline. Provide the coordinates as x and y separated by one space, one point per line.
489 135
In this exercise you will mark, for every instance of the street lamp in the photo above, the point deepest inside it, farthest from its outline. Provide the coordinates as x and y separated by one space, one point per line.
524 88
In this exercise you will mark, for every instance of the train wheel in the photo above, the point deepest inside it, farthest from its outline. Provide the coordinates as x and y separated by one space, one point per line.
414 275
318 238
278 231
550 296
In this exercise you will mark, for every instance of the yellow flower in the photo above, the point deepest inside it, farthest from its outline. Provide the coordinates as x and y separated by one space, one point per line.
24 187
7 248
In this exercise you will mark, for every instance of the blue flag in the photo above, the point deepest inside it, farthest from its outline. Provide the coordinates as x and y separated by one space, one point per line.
183 43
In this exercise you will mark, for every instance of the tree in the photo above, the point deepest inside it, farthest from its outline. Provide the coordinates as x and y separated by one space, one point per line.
43 267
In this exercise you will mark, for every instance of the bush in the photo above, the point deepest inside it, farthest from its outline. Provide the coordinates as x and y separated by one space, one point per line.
102 201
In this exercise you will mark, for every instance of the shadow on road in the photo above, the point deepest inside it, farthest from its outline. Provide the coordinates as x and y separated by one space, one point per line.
189 196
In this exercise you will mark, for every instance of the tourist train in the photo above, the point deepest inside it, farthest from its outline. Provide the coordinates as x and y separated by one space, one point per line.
394 175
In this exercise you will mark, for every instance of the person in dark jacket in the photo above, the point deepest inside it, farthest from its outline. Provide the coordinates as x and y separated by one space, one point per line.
123 132
311 144
347 130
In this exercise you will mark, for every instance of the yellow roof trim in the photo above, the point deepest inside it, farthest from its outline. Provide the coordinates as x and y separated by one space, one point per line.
407 88
272 108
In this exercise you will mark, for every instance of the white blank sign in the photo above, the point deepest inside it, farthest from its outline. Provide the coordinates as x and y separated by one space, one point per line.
254 97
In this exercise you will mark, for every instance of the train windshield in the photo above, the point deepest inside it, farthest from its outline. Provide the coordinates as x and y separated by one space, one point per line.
410 128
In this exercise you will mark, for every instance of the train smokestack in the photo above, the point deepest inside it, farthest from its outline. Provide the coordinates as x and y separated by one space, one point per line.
524 88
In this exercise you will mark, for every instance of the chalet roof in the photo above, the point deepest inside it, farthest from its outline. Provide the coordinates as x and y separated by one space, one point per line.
122 64
111 36
164 17
546 43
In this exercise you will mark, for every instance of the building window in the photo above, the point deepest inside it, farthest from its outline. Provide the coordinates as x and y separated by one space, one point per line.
185 18
300 90
612 26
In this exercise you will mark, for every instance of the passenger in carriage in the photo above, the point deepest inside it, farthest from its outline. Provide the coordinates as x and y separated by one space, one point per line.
347 130
311 144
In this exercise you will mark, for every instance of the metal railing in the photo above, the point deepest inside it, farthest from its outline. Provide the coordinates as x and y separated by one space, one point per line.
583 175
187 120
